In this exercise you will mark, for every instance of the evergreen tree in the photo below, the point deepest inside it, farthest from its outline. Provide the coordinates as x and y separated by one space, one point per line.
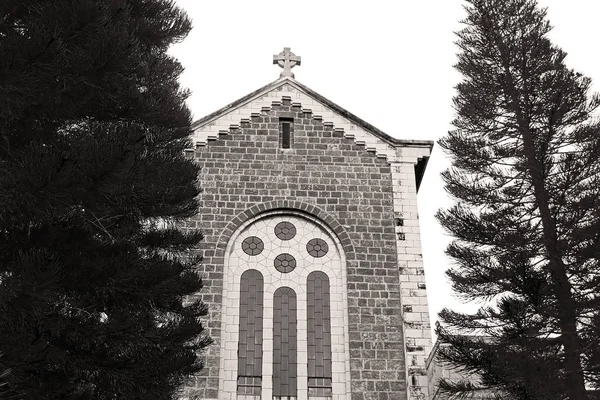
526 176
95 275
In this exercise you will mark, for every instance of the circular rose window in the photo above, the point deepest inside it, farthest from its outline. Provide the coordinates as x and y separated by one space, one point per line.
285 230
317 247
285 263
253 246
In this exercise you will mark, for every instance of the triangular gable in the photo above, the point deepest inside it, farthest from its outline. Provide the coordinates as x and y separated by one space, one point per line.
261 100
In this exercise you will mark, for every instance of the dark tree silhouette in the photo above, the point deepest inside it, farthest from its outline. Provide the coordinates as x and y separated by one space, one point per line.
95 276
526 176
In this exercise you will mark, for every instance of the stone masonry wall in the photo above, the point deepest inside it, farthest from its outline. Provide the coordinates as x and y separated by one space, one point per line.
246 168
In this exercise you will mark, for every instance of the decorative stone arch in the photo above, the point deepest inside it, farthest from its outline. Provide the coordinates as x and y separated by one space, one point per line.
263 218
293 206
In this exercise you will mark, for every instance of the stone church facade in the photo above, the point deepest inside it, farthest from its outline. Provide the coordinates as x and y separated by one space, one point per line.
312 258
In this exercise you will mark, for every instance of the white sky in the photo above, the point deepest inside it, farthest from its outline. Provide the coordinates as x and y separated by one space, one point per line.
388 62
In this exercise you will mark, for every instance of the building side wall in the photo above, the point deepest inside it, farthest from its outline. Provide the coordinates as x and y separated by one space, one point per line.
436 371
245 168
415 310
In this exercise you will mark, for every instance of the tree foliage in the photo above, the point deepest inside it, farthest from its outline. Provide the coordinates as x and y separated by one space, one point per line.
526 178
94 270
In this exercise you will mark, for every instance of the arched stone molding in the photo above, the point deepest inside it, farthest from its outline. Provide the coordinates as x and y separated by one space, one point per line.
261 223
294 206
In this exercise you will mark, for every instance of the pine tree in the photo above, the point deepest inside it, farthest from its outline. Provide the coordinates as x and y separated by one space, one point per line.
96 276
526 176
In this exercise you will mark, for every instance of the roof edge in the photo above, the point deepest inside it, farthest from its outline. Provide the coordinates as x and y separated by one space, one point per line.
362 123
238 103
338 109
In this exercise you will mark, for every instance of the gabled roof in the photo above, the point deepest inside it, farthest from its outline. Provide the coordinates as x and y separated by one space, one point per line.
375 140
340 110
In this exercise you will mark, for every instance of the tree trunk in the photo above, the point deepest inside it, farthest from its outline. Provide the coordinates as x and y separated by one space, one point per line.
562 287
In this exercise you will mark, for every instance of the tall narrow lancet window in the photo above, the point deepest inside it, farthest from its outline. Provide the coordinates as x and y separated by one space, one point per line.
285 370
286 133
251 334
319 335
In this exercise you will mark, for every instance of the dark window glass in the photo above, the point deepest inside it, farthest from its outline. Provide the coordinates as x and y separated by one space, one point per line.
285 263
253 246
285 230
286 132
251 330
317 247
319 335
285 369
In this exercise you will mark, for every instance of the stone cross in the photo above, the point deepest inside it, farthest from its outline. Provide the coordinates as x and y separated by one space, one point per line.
286 60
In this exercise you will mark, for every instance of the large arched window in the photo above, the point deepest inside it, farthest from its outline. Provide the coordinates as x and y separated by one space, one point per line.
285 298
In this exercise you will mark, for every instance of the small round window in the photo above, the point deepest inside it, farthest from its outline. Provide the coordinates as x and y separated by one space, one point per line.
253 246
285 230
317 247
285 263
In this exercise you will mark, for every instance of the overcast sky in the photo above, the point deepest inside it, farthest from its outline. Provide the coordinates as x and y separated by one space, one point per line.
388 62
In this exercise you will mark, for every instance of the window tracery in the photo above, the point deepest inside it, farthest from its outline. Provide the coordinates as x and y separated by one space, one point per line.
303 312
